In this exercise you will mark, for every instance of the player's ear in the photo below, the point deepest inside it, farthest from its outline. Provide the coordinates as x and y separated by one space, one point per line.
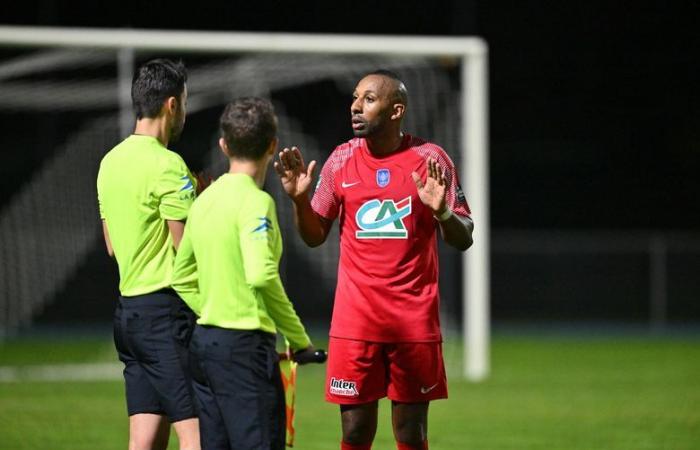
171 105
399 110
224 147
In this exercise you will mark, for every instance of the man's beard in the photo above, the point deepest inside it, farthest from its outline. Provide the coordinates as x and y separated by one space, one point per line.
360 133
176 131
368 130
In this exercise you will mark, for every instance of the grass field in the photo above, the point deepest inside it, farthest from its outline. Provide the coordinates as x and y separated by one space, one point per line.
546 392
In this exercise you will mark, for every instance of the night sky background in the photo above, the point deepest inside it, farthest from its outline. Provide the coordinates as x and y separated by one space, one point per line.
594 114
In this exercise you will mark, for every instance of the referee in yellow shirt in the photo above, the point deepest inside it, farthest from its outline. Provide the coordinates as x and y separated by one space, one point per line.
227 270
145 192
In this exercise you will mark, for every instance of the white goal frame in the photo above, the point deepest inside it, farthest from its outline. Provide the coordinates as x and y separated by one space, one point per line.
473 53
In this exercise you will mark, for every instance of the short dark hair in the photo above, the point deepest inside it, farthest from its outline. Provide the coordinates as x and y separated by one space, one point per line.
153 83
248 125
401 91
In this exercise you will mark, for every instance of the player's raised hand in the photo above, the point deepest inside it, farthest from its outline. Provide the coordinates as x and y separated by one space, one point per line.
295 176
432 193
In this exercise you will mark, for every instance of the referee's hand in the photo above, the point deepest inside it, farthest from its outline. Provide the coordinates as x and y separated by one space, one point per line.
309 355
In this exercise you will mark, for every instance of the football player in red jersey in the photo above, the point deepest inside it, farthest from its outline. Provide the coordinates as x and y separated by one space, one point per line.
391 193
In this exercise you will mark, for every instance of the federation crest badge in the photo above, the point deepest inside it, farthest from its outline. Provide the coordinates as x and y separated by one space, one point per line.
383 177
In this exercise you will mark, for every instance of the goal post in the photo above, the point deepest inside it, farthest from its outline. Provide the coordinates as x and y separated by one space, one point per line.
473 106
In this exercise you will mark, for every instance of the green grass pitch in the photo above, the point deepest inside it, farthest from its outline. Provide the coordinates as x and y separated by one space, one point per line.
548 393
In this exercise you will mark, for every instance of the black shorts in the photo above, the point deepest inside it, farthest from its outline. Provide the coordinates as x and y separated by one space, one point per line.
243 407
151 334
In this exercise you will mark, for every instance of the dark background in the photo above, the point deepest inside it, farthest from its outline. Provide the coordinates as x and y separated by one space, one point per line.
593 113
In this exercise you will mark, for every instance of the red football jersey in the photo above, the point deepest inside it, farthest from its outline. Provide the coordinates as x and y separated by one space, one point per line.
388 271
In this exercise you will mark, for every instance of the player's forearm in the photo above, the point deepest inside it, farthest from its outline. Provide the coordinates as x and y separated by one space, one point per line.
283 314
310 225
262 274
108 242
177 228
457 232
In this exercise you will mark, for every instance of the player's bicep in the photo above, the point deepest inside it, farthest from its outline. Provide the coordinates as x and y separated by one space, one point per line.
325 201
176 192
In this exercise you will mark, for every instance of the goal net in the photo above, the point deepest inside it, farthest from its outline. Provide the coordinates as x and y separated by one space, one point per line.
66 101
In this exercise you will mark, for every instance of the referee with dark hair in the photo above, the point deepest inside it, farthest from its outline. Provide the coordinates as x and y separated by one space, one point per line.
227 270
145 192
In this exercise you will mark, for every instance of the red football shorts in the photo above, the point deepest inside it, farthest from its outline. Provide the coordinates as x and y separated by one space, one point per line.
362 372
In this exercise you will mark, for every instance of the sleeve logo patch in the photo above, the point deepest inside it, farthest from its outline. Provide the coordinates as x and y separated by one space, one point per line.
188 183
264 226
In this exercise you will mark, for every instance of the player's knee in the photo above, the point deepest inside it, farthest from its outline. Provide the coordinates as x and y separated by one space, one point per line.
190 444
410 432
357 433
188 434
359 423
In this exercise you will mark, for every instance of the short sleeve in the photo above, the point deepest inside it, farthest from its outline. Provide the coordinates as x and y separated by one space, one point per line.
325 202
175 190
456 200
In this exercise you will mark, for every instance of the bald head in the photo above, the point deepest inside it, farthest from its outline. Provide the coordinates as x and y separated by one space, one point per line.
396 90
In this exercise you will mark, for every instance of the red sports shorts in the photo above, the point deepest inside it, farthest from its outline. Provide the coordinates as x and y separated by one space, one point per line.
362 371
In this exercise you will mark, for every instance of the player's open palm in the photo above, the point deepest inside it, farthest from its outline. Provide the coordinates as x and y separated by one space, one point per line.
432 192
295 176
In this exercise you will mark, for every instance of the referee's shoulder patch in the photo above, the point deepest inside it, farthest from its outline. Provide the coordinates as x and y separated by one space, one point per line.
264 225
186 191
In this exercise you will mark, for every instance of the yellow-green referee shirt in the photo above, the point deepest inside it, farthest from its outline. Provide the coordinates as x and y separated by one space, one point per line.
227 265
140 185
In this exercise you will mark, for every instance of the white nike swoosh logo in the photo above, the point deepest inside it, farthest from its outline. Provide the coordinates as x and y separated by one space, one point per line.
424 390
347 185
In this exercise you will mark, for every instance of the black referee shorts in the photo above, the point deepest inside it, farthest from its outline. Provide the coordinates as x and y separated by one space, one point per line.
245 400
151 334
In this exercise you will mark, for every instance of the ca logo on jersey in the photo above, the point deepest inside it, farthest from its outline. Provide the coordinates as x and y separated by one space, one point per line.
383 219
